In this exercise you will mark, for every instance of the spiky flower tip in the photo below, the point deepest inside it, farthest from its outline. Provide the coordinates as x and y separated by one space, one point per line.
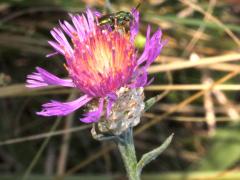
102 63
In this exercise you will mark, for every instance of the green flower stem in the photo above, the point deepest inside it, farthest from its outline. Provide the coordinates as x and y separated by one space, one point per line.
126 147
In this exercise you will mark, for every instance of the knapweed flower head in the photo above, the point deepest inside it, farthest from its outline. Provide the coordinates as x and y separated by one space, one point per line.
103 63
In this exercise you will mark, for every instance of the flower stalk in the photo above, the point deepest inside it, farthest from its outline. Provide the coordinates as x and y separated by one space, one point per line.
127 150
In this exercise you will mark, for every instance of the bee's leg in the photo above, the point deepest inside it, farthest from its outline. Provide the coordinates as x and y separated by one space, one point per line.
97 20
124 29
115 23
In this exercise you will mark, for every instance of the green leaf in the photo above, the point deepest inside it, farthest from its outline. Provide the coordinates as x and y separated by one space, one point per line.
150 156
150 102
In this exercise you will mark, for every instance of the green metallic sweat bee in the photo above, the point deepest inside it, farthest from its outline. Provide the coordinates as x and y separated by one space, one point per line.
118 19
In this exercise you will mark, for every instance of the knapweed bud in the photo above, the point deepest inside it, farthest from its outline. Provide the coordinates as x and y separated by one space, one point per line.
125 113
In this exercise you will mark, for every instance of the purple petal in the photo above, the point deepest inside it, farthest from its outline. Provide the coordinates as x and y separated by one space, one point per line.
141 78
43 78
152 48
56 108
134 25
57 47
51 54
90 19
78 24
67 28
150 81
62 41
97 13
94 116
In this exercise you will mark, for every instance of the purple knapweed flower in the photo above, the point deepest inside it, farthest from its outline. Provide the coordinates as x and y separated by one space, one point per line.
102 63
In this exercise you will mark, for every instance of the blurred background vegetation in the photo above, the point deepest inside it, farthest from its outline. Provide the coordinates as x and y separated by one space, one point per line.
196 83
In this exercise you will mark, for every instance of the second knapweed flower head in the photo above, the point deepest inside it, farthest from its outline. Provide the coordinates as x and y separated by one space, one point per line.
103 63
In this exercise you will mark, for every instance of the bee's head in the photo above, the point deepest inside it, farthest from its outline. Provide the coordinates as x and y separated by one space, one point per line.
128 16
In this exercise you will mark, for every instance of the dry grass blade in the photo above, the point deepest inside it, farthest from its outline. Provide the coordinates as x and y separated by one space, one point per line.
193 87
43 135
192 118
198 119
64 149
225 67
208 103
22 90
190 64
229 107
